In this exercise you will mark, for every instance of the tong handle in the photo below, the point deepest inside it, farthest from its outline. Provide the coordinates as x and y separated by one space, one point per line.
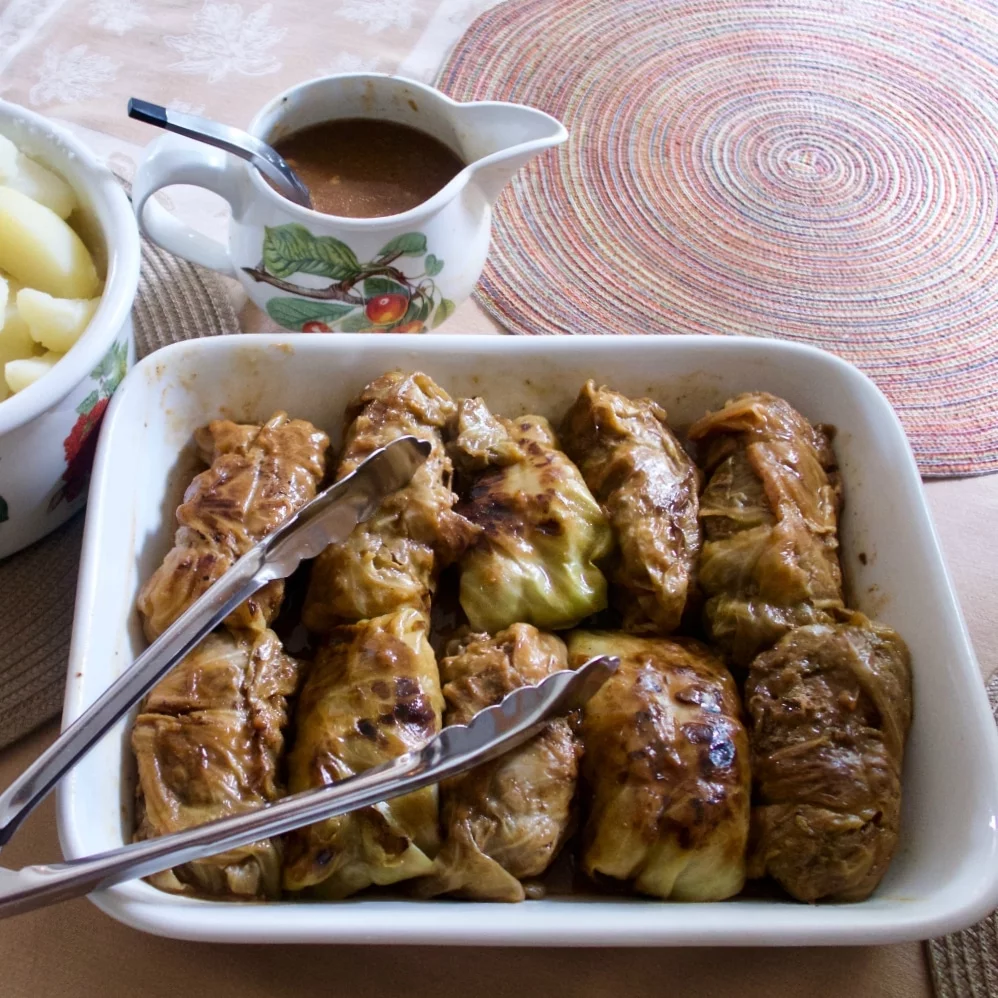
182 636
490 733
39 886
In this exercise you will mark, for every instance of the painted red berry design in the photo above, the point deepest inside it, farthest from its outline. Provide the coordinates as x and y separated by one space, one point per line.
385 309
80 445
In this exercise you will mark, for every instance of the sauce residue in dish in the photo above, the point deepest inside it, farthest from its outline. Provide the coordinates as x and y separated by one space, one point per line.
367 168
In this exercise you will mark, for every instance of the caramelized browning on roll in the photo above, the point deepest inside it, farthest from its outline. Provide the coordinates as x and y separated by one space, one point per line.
830 709
506 820
770 513
208 742
373 693
541 530
667 763
647 485
393 559
258 477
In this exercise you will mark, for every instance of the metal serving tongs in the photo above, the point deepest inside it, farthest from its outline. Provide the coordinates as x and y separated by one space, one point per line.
327 519
490 733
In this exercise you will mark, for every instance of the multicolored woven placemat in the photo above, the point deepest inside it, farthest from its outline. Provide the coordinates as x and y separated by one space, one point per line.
823 172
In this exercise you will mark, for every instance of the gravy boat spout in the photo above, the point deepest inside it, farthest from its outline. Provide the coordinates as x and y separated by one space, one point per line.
498 139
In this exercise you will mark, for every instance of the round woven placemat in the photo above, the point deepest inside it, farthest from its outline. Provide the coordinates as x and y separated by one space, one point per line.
820 172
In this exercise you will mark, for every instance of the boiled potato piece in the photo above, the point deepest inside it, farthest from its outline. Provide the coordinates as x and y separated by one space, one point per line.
41 251
39 183
15 329
8 159
21 373
42 185
56 323
15 339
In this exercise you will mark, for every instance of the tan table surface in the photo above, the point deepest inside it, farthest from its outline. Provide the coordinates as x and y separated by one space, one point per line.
80 62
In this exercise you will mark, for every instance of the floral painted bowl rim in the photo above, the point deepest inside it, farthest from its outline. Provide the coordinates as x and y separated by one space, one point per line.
107 200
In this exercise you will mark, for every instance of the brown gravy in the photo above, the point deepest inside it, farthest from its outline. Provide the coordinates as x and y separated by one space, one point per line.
366 168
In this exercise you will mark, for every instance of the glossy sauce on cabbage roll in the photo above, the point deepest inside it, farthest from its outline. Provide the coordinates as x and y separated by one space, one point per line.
830 710
647 485
506 820
667 765
542 532
372 694
393 559
258 477
207 742
770 516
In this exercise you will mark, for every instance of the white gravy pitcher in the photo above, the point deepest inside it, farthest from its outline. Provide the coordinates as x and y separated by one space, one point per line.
325 273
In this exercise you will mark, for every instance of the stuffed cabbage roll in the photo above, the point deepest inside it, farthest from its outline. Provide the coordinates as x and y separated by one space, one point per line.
770 513
507 819
373 693
667 763
258 477
207 742
542 532
393 559
647 485
830 709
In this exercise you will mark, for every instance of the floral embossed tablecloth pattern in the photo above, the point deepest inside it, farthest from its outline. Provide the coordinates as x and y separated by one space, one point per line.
82 59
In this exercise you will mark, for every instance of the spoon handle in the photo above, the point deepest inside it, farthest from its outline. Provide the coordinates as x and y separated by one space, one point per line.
232 140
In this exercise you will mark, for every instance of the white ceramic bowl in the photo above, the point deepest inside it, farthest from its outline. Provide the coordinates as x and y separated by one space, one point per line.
945 874
48 430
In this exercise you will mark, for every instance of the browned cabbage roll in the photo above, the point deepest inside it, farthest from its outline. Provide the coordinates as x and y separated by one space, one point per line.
647 485
542 532
207 743
770 510
506 820
373 693
258 477
393 559
667 763
830 709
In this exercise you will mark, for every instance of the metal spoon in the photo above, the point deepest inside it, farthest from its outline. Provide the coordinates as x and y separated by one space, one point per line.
234 140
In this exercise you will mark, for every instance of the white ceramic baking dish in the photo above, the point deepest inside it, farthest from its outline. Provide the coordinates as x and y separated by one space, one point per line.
945 874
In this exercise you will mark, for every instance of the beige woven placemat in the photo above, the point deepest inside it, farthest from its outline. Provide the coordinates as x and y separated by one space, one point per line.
176 301
965 964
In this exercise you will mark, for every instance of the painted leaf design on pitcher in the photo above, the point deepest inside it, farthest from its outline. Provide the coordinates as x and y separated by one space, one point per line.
373 296
293 313
408 244
292 249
